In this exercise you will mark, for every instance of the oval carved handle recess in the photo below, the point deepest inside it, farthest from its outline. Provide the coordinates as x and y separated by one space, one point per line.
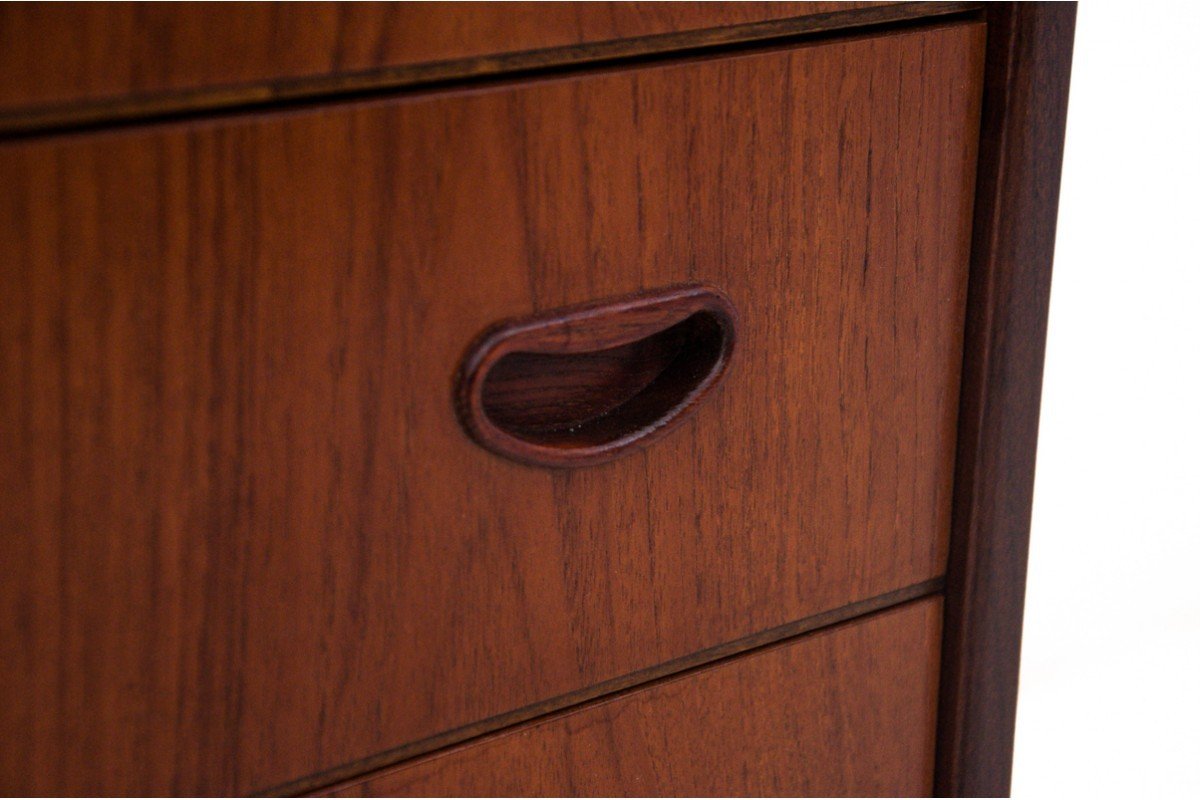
585 384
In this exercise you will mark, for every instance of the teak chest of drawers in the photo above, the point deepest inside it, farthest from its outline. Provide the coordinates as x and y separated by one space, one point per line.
520 399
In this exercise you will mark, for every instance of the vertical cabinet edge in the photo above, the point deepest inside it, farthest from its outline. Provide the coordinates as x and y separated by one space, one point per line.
1020 160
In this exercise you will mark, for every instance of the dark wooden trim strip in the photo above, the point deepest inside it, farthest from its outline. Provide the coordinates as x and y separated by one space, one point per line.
1020 159
602 690
100 113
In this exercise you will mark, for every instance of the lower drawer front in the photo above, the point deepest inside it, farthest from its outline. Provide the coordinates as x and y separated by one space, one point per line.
847 711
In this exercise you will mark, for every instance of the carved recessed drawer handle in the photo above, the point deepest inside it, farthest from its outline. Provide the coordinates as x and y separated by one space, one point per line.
583 385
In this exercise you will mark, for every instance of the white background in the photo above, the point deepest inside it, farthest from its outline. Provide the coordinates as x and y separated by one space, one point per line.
1109 703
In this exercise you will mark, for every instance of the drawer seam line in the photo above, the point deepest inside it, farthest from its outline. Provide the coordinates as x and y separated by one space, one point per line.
777 636
131 110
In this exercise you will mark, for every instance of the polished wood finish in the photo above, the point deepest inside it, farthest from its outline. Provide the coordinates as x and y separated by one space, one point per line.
624 682
1024 119
75 55
76 64
246 538
111 49
846 712
584 385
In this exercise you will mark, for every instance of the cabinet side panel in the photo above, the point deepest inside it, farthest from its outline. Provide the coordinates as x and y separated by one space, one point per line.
1020 161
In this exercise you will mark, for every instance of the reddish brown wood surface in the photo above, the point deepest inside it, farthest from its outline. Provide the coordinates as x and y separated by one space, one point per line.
53 54
119 63
849 711
1024 121
246 540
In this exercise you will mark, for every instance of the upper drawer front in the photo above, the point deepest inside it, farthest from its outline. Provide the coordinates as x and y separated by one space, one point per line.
242 522
55 54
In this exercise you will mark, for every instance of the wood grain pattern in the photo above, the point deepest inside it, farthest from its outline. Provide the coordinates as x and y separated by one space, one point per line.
1024 121
122 61
246 539
581 386
111 49
847 712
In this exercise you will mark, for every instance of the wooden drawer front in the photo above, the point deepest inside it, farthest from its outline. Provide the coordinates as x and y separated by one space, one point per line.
55 55
845 712
246 540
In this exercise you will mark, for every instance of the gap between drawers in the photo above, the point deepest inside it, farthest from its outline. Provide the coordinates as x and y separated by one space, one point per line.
268 95
607 689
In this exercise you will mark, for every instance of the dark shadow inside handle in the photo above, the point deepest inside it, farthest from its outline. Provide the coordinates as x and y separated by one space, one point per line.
592 398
